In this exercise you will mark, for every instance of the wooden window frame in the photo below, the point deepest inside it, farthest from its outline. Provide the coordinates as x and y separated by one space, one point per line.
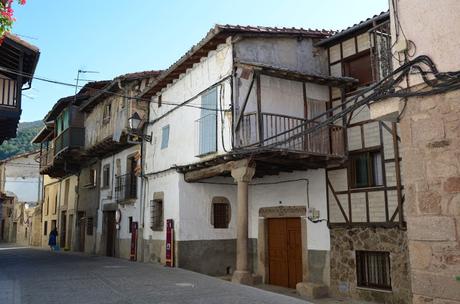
353 58
370 168
221 221
106 176
372 266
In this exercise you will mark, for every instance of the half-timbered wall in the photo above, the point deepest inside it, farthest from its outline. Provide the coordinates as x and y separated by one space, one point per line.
374 205
109 118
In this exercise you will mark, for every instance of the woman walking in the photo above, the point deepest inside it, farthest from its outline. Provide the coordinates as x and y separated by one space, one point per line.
53 238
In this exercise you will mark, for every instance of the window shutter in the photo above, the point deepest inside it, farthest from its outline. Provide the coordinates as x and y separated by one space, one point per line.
208 123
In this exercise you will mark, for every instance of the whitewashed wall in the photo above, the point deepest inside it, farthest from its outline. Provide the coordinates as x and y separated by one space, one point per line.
182 133
107 195
189 204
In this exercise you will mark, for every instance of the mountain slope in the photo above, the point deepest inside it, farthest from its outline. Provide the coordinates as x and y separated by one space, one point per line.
21 144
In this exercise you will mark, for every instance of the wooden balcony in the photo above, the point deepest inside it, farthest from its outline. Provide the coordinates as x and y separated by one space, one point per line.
72 137
287 133
10 110
63 154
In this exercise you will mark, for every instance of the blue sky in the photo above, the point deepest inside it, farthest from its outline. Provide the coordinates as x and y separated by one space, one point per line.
115 37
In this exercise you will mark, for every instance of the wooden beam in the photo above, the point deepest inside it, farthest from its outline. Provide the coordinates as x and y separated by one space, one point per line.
216 170
246 98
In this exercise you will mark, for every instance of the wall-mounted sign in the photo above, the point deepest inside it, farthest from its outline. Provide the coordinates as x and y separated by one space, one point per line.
170 242
118 216
133 254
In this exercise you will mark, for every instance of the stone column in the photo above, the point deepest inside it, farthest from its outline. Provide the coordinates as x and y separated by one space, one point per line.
242 176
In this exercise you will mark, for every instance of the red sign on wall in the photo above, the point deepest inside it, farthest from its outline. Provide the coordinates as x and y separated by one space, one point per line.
170 243
133 255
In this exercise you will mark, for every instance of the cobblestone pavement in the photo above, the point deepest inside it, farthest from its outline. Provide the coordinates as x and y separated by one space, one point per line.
39 276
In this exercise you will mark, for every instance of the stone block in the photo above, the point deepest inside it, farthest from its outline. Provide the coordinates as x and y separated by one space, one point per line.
435 285
441 165
312 290
452 184
242 277
429 202
418 299
454 206
420 255
422 228
425 129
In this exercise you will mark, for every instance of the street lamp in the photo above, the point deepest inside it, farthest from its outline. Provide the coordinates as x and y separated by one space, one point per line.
134 123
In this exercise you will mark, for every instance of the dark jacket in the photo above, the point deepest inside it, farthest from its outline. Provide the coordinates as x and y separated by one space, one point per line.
53 237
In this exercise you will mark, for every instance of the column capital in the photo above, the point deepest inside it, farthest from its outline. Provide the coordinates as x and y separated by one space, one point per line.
243 174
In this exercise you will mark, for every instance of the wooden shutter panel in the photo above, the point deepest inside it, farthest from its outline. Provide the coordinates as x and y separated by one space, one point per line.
208 123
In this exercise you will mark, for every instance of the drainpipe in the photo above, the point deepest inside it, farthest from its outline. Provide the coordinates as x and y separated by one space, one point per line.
98 189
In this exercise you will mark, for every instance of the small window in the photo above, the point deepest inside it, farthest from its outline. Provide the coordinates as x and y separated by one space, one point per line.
106 176
92 178
359 66
47 205
53 224
159 101
156 215
220 212
130 224
366 169
373 269
89 226
55 204
107 112
165 137
45 228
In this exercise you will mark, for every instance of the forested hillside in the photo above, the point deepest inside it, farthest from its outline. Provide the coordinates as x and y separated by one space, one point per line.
21 144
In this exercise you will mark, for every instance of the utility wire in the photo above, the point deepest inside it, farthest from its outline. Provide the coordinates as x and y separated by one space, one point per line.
182 104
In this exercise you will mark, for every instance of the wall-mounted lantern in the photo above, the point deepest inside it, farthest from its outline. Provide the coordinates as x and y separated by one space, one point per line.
134 123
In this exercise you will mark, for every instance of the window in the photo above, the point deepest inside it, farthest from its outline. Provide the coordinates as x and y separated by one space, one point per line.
47 205
62 121
366 169
55 204
207 124
373 269
359 66
89 226
107 112
220 212
164 137
92 178
159 101
53 224
45 228
156 215
130 224
106 176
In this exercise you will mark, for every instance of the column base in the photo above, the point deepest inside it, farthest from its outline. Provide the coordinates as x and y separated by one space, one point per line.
312 290
242 277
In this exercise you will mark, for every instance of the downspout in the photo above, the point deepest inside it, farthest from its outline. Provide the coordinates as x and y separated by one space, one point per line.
96 220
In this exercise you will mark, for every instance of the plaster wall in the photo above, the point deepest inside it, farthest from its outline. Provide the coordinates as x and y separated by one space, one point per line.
183 128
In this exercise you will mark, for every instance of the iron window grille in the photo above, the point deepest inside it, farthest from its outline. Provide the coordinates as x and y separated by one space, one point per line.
373 269
126 187
89 226
156 215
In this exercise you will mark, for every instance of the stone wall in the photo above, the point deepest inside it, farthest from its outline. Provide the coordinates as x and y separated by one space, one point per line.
430 129
344 243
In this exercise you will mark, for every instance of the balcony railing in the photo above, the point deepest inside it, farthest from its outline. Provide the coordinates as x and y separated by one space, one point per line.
285 132
125 187
71 137
381 55
8 96
46 158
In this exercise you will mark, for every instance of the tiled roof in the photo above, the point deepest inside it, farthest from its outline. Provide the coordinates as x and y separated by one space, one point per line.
24 43
355 27
139 75
217 35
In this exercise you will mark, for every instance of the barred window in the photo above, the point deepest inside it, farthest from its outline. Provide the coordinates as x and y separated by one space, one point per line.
373 269
89 226
221 213
156 215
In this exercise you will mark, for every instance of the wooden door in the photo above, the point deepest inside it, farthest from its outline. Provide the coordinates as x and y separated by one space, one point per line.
110 232
284 252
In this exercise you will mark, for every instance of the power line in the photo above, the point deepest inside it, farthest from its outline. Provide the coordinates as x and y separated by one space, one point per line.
57 82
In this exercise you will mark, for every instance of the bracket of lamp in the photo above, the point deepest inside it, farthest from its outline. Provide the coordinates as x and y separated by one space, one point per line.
135 134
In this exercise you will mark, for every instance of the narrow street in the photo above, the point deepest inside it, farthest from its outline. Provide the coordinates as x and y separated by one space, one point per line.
30 276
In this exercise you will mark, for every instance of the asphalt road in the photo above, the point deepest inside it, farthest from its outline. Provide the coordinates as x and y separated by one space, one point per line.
39 276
